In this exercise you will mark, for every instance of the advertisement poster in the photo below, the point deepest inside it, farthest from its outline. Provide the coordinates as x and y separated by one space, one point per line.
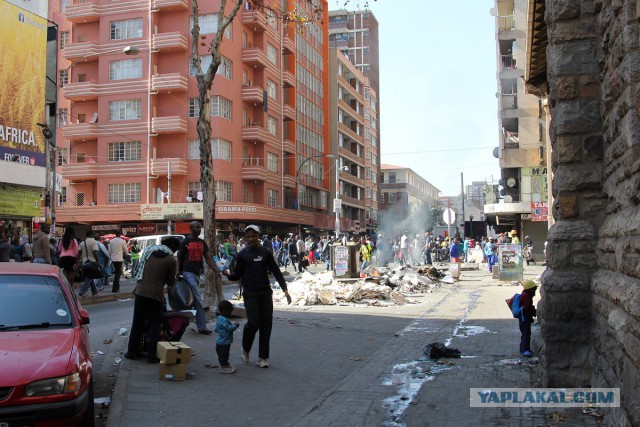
23 37
341 255
510 261
174 211
22 203
539 211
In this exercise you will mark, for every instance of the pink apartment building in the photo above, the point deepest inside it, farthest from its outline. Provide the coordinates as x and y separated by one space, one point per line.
127 117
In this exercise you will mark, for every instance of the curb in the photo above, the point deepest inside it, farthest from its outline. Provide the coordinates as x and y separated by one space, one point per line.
118 397
109 297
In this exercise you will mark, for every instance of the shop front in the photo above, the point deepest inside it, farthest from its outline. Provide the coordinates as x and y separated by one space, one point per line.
18 208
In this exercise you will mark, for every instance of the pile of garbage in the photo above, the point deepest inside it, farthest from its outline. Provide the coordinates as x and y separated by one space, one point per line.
382 287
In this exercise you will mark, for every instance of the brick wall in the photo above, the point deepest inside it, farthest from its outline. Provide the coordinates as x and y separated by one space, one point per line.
590 310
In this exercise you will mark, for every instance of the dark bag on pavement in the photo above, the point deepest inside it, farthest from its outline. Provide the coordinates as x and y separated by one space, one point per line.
438 350
180 296
92 270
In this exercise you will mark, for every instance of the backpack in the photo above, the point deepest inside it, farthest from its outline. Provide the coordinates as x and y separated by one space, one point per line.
515 306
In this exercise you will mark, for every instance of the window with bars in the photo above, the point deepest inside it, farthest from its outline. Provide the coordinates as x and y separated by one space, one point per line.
125 69
63 155
194 149
79 199
64 77
272 198
392 197
126 29
223 191
63 196
221 107
272 125
194 107
194 188
272 53
272 89
64 39
128 192
125 151
130 109
272 162
220 149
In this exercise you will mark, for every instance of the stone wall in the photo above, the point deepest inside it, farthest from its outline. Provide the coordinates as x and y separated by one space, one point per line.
590 310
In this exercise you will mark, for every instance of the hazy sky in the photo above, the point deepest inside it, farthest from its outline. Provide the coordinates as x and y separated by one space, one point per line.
438 105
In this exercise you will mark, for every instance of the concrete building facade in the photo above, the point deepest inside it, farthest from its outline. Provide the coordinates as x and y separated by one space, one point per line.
127 134
584 56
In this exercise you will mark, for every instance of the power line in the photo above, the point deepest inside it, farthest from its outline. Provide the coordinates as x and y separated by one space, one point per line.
437 151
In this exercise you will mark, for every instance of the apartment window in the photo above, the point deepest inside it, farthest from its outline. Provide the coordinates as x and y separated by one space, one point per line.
272 19
130 109
221 149
272 89
223 191
125 69
247 196
228 32
225 68
194 188
205 61
540 132
79 199
64 39
194 149
63 115
208 23
245 41
245 78
221 107
272 125
392 178
272 162
374 159
81 78
63 5
272 53
367 172
373 104
374 141
63 155
63 196
125 151
272 198
124 193
64 77
194 107
339 69
82 118
392 197
126 29
374 177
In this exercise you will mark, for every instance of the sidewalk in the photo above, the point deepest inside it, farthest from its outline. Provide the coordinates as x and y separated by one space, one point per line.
332 365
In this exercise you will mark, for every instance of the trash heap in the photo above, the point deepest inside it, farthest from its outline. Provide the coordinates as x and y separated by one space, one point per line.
383 287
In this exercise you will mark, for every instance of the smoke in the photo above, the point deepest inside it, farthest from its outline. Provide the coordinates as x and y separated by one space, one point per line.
413 219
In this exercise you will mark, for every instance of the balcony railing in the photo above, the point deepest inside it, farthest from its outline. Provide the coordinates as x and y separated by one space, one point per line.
508 62
256 133
170 5
170 41
509 101
161 166
288 146
255 57
289 112
254 94
167 83
254 19
510 139
289 79
506 23
82 13
86 51
80 91
80 131
288 45
168 124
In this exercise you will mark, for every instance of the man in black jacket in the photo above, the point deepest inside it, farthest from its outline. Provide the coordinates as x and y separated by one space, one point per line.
252 267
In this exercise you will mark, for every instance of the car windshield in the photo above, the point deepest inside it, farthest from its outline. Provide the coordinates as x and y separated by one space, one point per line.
32 302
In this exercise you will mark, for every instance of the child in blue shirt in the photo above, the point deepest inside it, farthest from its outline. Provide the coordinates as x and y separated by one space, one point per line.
224 328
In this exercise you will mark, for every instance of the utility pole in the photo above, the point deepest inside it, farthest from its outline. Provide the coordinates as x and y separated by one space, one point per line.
169 193
464 222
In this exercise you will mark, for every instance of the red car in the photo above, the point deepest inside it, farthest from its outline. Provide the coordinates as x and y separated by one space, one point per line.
45 364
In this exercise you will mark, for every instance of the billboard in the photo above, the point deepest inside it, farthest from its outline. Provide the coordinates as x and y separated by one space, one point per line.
23 57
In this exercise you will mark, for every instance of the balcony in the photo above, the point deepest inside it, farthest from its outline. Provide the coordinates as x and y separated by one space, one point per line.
289 112
84 170
352 201
168 125
351 179
256 133
80 91
289 181
350 112
82 13
509 101
506 23
84 51
347 154
289 146
167 42
167 83
350 133
255 57
508 62
80 131
288 79
170 5
257 173
288 46
255 19
161 166
253 94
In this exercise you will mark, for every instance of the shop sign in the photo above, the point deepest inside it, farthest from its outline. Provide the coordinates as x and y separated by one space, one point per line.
539 211
105 227
129 229
237 208
147 228
19 202
183 228
174 211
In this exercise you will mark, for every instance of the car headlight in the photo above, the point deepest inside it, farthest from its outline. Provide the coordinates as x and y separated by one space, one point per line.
51 386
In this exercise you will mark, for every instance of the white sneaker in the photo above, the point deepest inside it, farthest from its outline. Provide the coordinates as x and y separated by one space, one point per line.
263 363
245 356
227 370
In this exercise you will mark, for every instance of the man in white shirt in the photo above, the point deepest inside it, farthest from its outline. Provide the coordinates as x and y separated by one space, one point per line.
117 251
302 251
404 247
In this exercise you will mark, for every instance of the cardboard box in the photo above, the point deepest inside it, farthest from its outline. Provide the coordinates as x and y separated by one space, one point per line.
173 372
174 352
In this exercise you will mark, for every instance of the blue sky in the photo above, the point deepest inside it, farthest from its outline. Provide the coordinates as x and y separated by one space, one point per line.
437 88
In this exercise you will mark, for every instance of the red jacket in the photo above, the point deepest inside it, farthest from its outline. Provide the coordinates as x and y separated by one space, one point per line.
526 301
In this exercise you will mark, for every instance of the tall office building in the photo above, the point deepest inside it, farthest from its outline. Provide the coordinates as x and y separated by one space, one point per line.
522 132
128 112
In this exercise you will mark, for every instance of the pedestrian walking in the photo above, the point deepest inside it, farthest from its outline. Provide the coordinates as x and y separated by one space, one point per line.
302 251
224 328
118 252
24 253
454 251
5 248
69 260
41 251
89 252
526 318
252 267
135 258
193 251
292 254
158 268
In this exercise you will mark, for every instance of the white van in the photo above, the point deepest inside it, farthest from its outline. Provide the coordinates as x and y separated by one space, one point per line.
158 239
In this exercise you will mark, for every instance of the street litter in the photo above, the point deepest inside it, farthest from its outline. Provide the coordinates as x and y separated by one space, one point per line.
101 353
386 287
438 350
356 358
123 331
510 362
104 401
598 413
118 360
107 341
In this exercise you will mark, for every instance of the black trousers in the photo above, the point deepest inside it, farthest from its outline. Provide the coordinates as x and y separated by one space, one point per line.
145 310
117 272
525 339
300 260
259 319
223 351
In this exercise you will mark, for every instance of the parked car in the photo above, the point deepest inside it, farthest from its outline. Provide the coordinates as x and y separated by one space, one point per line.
46 366
158 239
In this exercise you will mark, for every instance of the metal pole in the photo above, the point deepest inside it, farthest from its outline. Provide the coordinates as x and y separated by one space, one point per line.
449 225
169 192
338 210
464 222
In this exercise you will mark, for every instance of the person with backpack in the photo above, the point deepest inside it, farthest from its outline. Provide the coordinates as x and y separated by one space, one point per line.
24 254
522 307
40 247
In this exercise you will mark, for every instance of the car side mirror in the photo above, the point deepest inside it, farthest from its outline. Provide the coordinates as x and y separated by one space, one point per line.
84 317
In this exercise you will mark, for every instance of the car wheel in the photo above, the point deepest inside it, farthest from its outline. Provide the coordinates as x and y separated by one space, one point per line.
89 414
